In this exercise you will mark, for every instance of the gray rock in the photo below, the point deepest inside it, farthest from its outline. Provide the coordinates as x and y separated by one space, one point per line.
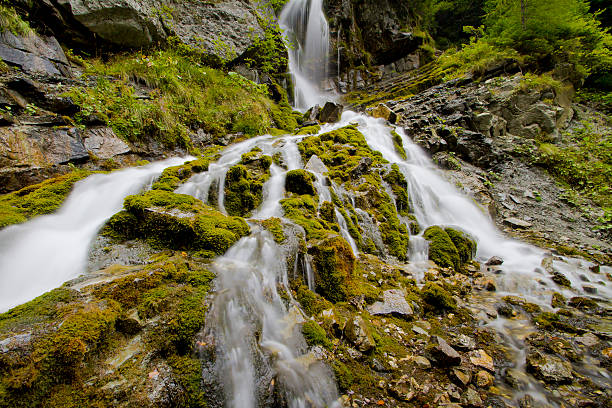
443 354
331 112
463 342
422 362
316 165
494 261
34 54
103 143
394 303
517 223
549 368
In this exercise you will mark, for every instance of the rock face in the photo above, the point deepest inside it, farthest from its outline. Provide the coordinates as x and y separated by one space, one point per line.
394 303
34 54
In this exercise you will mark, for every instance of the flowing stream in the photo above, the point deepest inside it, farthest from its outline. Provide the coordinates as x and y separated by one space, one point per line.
41 254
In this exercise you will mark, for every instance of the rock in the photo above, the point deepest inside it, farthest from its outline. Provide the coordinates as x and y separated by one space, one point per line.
558 300
316 165
403 389
362 167
330 113
494 261
384 112
471 398
560 279
591 290
517 379
462 377
443 354
394 303
517 223
422 362
463 342
34 54
550 369
481 359
420 330
588 339
103 143
358 334
484 379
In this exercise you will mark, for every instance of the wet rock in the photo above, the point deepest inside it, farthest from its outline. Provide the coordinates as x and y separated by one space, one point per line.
484 379
591 290
580 302
558 300
442 353
529 402
588 339
358 333
517 223
506 310
361 168
516 379
560 279
481 359
330 113
312 115
103 143
394 303
549 368
384 112
494 261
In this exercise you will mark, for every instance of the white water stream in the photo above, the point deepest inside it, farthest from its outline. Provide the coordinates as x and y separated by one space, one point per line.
41 254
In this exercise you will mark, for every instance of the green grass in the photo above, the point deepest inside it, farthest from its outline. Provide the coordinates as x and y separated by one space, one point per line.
11 21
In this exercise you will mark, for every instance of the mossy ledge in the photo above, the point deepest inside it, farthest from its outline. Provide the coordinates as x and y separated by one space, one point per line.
177 221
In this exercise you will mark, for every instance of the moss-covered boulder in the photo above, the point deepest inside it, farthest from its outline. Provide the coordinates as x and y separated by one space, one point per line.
334 264
437 298
176 221
449 248
300 182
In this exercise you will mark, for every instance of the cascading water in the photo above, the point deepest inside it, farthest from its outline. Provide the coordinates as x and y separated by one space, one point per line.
307 31
43 253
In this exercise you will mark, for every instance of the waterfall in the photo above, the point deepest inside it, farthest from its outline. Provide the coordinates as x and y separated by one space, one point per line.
307 32
41 254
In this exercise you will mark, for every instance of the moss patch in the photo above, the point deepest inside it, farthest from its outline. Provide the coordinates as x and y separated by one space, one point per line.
315 335
244 183
334 264
441 248
437 297
275 227
300 182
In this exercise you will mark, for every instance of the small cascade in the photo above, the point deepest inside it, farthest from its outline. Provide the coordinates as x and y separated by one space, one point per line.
307 31
41 254
309 278
258 340
274 191
345 232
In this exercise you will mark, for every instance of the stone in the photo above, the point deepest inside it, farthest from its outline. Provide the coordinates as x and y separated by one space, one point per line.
558 300
516 379
588 339
383 111
357 333
463 342
550 369
442 353
394 303
362 167
34 54
103 143
331 112
471 398
420 330
461 376
494 261
484 379
517 223
481 359
403 389
591 290
316 165
422 362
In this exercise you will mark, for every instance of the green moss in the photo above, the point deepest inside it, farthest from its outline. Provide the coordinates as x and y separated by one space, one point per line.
441 248
334 264
308 130
327 212
244 188
312 303
528 307
399 186
437 297
466 246
188 371
398 144
560 279
303 211
43 307
344 376
11 21
176 221
315 335
38 199
275 226
300 182
582 303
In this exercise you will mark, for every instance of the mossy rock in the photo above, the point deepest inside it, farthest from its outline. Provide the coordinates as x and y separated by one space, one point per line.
312 303
275 227
300 182
315 335
399 186
334 265
466 246
176 221
442 250
243 190
309 130
438 298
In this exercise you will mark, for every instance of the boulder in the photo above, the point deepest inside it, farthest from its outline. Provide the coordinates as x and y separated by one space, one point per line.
481 359
494 261
394 303
331 112
34 54
357 333
443 354
517 223
384 112
316 165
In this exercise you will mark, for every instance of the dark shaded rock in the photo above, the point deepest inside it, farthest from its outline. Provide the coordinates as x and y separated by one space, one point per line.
494 261
34 54
330 113
443 354
128 325
362 167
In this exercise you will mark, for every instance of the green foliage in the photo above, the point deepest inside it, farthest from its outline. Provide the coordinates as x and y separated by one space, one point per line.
38 199
269 52
186 96
315 335
11 21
